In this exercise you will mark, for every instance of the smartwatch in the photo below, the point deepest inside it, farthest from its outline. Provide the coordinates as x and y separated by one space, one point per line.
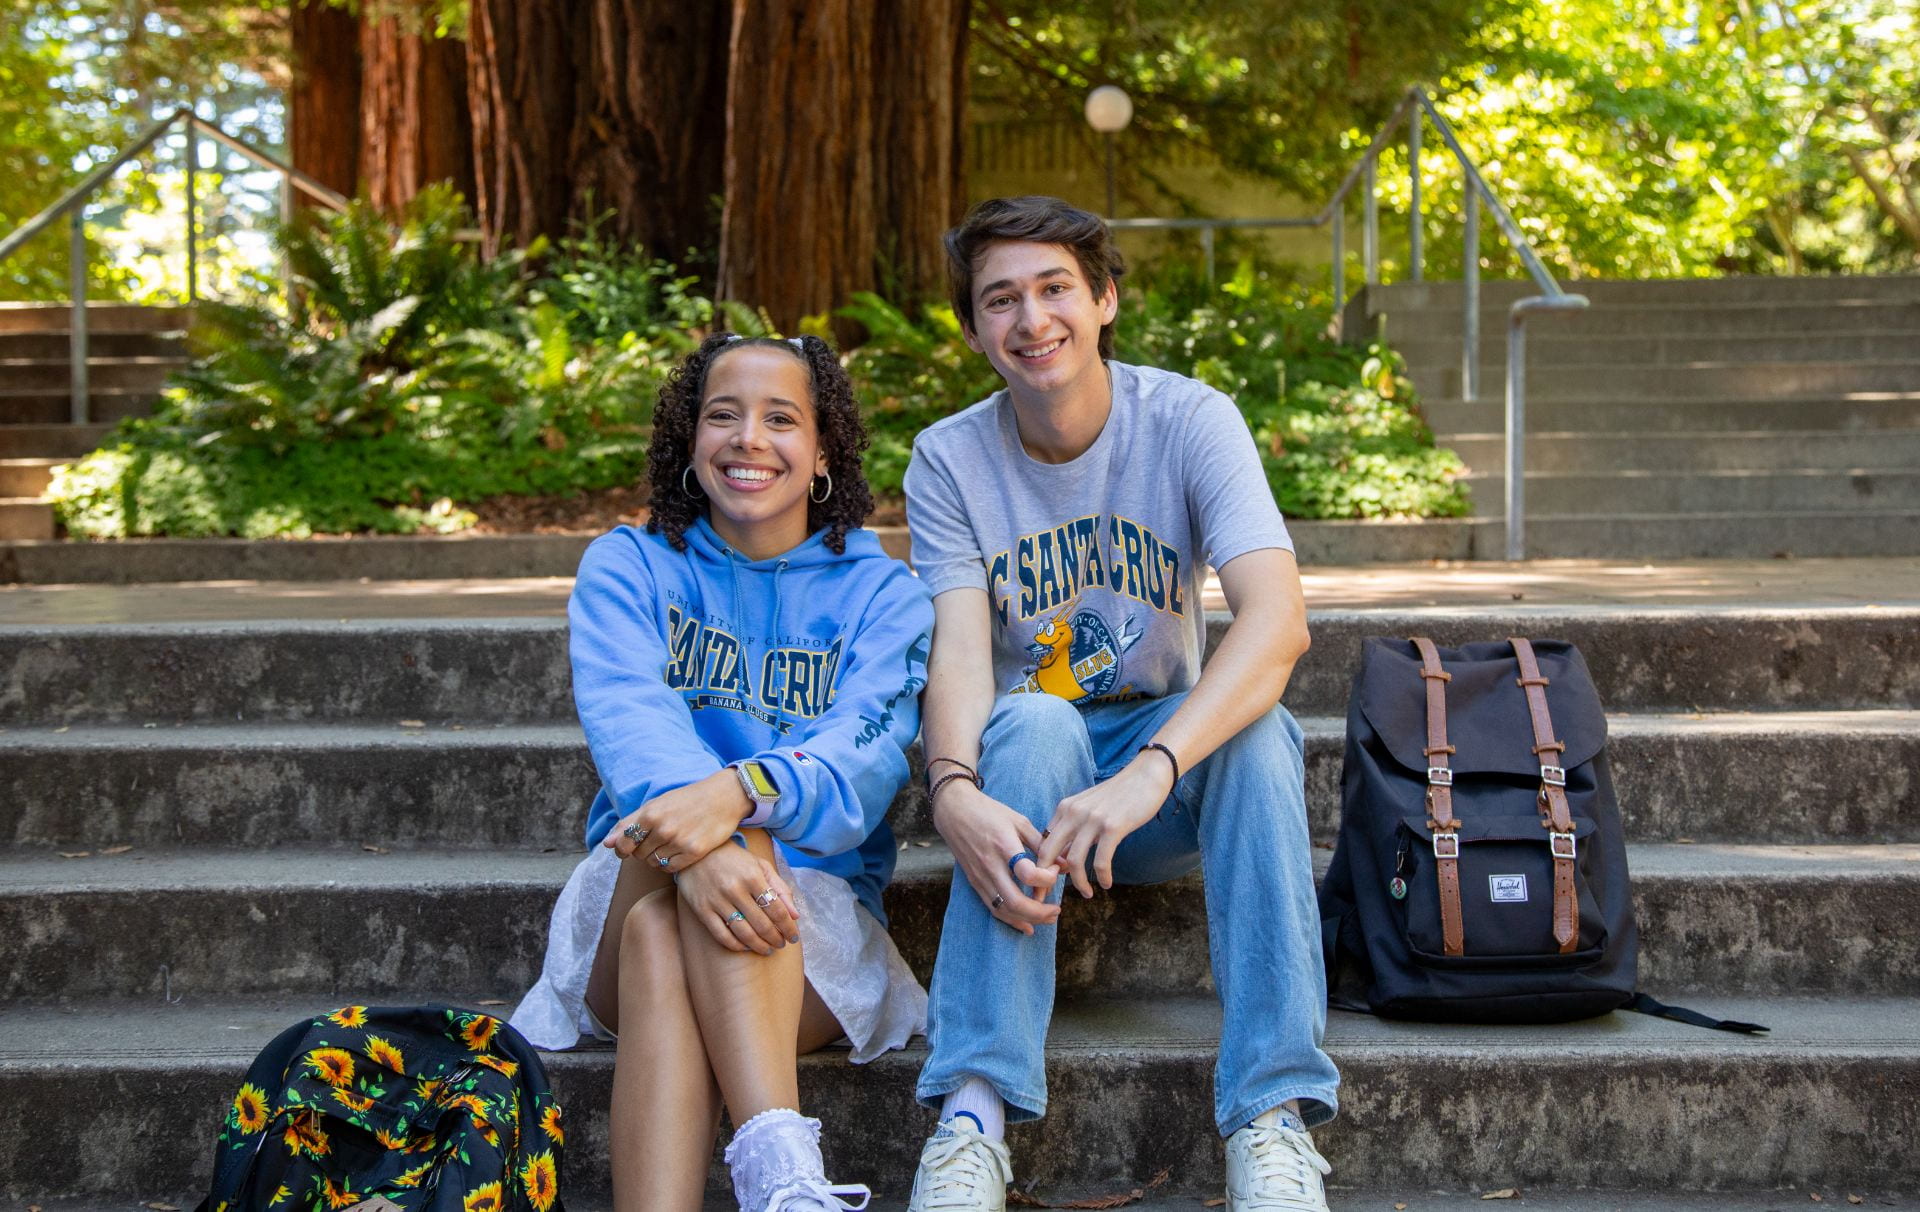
759 786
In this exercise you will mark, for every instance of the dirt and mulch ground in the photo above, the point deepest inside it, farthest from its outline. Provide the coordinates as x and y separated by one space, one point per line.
595 512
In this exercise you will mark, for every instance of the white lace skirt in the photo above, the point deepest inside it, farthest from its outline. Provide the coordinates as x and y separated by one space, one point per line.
847 956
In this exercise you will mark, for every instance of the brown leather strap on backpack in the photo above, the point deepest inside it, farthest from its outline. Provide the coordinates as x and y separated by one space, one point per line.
1440 818
1554 814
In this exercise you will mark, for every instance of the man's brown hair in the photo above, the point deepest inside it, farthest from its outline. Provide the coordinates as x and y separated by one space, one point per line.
1041 220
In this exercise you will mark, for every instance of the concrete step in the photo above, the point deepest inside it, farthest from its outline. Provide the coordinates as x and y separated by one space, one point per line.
1635 1107
1691 776
1561 347
1445 321
26 477
109 374
1704 536
1716 918
58 346
48 406
1614 490
515 670
1694 381
101 318
59 441
1889 450
1715 292
26 518
1615 416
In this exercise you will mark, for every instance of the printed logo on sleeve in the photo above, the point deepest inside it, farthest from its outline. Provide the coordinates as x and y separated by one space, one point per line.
1509 888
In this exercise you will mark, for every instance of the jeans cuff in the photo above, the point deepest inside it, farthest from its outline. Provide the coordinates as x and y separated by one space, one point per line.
1020 1107
1318 1105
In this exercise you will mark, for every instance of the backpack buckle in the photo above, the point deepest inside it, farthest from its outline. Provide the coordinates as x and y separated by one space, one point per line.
1446 846
1562 845
1554 775
1439 776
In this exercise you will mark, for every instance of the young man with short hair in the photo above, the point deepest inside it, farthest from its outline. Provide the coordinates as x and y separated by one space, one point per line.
1063 526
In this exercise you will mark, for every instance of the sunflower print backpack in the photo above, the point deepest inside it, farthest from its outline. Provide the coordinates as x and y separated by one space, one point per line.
418 1108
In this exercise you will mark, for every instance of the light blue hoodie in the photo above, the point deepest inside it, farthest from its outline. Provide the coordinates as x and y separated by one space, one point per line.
811 662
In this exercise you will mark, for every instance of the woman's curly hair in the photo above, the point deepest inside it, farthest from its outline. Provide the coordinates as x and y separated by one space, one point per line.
842 436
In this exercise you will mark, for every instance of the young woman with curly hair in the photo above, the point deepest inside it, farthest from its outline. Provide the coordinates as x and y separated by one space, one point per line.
729 663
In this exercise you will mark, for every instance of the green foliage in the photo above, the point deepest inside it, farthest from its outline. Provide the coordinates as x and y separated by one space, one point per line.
408 375
1337 427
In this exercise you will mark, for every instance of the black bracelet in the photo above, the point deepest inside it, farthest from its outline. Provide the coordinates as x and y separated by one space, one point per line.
1170 757
932 762
944 779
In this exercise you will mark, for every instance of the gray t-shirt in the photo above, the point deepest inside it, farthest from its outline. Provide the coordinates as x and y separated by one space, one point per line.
1093 567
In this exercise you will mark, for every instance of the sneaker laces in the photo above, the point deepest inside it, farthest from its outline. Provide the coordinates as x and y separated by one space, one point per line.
959 1164
1284 1169
814 1195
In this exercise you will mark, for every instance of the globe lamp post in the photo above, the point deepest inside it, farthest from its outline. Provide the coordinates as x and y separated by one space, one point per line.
1109 109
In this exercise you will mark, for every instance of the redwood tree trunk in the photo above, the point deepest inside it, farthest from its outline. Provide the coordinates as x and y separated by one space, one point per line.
523 82
844 126
323 122
649 140
415 127
920 106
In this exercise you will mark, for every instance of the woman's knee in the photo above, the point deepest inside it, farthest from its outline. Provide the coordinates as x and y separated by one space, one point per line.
650 935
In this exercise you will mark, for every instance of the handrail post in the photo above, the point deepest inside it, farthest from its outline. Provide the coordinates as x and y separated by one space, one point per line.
1206 248
1516 434
1339 272
193 249
1370 238
1470 318
77 401
1414 224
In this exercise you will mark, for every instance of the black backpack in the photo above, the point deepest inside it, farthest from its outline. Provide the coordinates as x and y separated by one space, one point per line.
427 1108
1481 869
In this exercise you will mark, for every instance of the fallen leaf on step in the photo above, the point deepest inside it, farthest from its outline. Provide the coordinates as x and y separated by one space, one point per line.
413 723
1683 841
1503 1193
1855 1199
157 1206
923 845
116 849
1214 1202
370 848
1399 1208
74 853
1016 1196
63 728
490 1001
1815 1197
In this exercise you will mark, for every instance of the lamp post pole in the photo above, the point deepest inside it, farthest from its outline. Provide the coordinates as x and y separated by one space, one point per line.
1108 110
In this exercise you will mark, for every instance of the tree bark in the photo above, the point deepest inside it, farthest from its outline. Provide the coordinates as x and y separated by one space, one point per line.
921 107
844 120
523 83
323 122
649 140
415 126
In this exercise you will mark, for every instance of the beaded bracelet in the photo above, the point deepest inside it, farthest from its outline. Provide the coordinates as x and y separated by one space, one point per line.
932 762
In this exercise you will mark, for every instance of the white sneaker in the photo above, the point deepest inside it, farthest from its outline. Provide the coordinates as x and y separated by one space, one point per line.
961 1171
1274 1169
814 1195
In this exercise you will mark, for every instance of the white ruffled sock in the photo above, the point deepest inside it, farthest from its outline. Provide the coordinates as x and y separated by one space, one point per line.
777 1153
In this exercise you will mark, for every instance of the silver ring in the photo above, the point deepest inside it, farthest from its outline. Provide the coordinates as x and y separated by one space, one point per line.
766 898
634 833
736 916
663 861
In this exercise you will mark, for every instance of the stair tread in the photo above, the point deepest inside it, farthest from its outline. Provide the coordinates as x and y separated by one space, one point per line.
41 871
143 1034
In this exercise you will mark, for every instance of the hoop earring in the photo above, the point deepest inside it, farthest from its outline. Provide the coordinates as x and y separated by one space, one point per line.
687 488
822 498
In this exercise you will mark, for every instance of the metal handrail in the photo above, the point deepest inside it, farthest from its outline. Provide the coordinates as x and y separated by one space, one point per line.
1413 107
73 205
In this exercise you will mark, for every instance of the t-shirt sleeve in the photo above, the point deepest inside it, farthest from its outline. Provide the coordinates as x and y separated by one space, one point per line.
1227 491
946 555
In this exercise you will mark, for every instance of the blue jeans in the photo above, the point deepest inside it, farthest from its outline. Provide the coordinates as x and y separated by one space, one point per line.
1240 816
